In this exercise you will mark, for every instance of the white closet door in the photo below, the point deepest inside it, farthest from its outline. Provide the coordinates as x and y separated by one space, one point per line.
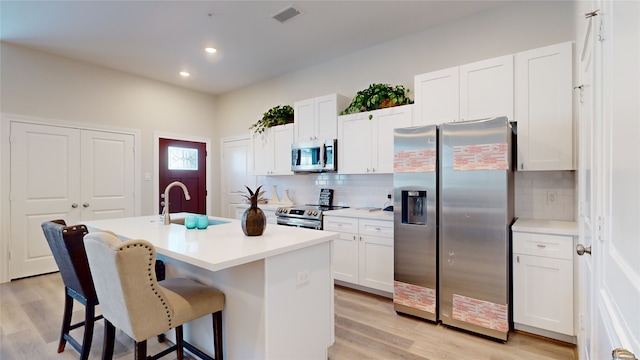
63 173
107 175
45 185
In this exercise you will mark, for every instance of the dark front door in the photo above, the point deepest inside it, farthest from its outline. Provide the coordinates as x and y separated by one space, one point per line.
183 161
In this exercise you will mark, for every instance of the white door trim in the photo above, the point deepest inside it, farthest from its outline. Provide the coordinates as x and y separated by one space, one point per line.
156 164
5 172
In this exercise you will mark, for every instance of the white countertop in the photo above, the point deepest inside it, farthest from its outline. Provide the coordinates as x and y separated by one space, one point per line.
217 247
364 214
553 227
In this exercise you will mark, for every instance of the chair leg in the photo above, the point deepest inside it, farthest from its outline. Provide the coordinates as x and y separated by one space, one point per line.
217 334
141 351
179 344
109 339
89 320
66 320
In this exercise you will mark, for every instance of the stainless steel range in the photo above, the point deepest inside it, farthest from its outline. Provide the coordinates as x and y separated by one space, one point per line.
307 216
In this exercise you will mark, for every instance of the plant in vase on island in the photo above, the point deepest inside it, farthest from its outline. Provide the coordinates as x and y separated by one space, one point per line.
253 219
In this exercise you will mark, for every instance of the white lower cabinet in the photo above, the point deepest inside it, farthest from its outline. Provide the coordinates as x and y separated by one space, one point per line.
269 213
363 254
543 283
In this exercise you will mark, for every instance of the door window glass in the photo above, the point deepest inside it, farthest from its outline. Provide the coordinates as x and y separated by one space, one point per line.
180 158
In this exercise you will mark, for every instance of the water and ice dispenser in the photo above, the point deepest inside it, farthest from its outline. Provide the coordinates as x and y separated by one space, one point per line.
414 207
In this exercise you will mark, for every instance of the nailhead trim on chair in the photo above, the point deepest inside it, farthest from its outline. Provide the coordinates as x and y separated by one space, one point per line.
155 290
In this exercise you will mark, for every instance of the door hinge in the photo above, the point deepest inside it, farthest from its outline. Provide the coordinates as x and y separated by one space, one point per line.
591 14
600 223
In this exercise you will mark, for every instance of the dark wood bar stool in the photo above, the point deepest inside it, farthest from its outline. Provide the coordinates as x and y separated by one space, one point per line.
133 301
67 246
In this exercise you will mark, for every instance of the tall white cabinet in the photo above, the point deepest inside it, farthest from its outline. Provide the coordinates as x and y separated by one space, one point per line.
366 139
544 91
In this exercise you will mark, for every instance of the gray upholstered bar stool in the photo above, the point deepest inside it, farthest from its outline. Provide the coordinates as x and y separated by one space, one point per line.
132 300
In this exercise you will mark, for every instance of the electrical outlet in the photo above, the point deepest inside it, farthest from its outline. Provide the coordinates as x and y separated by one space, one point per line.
552 197
389 194
302 277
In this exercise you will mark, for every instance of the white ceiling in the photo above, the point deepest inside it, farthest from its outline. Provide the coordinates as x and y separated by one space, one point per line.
157 39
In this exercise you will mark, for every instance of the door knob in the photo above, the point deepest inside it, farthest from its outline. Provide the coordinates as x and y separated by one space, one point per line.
580 249
74 205
86 205
622 354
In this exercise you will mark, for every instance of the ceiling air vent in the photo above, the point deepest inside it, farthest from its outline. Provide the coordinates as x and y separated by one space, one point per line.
286 14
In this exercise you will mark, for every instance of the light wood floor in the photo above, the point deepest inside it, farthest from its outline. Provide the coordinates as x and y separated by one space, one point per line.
367 327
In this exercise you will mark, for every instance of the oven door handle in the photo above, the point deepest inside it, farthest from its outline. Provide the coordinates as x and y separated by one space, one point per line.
309 224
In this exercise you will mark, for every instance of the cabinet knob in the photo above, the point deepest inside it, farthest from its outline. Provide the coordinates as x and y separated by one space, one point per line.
580 249
85 205
74 205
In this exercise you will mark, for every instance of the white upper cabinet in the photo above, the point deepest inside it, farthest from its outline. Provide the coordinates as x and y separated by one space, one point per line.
479 90
316 119
365 140
544 109
272 151
437 97
486 89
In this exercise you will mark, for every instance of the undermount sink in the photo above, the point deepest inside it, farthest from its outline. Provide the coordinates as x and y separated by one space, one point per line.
180 221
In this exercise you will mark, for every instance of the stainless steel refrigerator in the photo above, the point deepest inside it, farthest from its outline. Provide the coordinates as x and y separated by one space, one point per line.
415 221
476 213
453 208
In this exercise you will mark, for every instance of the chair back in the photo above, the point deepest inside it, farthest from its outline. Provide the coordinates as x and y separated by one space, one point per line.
126 284
67 247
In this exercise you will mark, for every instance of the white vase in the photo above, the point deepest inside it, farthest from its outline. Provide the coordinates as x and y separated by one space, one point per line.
286 199
274 195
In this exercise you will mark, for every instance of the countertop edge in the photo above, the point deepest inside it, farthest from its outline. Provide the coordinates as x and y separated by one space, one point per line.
553 227
362 214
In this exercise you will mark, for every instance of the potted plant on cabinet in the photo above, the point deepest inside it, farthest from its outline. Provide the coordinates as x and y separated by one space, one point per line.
378 96
277 115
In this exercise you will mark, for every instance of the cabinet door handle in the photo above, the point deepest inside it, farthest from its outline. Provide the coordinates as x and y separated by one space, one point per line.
518 259
542 246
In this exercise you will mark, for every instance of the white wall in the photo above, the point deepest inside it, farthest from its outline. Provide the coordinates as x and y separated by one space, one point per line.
40 85
508 29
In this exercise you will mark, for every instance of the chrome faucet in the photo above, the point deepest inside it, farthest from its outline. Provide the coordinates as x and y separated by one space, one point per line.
165 210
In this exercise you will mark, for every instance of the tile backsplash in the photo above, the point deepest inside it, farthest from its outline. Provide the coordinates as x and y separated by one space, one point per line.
547 195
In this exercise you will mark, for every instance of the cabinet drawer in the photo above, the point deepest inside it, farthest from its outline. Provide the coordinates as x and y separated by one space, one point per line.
553 246
340 224
376 228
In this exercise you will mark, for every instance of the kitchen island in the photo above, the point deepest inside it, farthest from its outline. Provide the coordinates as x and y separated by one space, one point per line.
278 286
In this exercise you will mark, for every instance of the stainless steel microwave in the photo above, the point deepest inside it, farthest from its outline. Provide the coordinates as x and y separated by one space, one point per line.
314 156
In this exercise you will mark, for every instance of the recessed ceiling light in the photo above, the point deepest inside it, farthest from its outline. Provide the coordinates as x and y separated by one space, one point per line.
210 50
184 74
